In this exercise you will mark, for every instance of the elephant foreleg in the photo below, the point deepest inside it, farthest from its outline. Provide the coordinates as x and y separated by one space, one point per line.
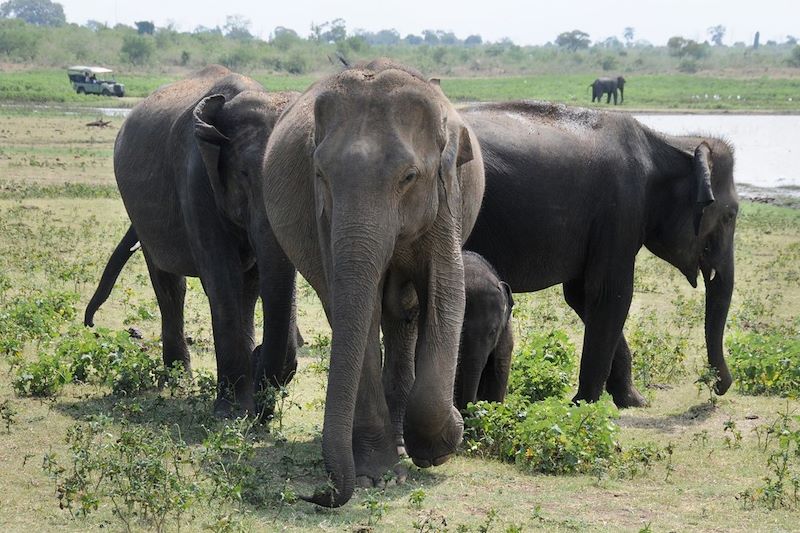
433 427
170 292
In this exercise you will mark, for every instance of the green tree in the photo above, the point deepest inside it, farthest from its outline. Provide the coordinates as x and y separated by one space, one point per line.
628 34
36 12
717 33
136 49
573 40
17 40
237 27
145 27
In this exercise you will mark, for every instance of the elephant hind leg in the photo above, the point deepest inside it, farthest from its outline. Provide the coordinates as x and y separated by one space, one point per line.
170 292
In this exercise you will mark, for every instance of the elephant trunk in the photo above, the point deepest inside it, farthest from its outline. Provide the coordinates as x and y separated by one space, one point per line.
719 288
360 250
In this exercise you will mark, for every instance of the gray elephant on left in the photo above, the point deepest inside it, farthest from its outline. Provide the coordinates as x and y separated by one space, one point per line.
608 86
188 165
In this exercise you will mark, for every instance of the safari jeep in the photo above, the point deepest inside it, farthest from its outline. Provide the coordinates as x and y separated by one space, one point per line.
94 80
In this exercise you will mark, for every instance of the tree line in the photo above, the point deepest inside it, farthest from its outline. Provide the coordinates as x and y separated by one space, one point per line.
36 31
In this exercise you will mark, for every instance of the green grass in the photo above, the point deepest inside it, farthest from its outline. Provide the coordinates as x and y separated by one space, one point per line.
54 239
646 91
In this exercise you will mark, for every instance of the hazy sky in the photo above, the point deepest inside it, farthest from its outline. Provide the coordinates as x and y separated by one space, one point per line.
525 22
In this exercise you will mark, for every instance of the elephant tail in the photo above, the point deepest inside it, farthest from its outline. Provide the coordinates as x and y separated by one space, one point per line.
124 250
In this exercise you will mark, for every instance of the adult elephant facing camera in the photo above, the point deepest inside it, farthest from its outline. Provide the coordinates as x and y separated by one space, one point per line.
370 175
571 197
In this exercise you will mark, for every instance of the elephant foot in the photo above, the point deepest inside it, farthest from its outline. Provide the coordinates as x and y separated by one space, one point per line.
392 477
375 456
242 405
433 448
628 397
589 396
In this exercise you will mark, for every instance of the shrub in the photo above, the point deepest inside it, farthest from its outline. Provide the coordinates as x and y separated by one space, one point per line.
765 363
552 436
136 49
36 317
101 357
542 366
43 377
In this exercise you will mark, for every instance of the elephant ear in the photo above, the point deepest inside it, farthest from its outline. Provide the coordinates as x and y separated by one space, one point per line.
210 141
701 171
509 299
456 152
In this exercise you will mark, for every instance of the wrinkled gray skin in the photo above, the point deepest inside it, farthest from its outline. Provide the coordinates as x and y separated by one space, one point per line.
187 162
608 86
372 182
571 197
487 341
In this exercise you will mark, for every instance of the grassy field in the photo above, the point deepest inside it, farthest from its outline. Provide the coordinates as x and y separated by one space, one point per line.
59 220
665 92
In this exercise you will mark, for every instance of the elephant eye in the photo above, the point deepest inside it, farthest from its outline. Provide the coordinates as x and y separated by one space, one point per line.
409 176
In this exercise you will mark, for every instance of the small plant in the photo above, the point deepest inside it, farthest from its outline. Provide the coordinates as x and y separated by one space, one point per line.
781 488
734 440
658 355
320 349
707 380
375 505
8 414
417 498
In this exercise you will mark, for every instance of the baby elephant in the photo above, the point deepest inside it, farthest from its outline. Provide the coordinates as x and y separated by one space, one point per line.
484 357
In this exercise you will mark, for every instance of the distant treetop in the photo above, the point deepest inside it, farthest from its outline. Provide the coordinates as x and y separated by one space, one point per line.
36 12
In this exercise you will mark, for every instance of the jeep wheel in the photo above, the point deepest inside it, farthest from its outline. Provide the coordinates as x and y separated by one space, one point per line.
80 90
106 92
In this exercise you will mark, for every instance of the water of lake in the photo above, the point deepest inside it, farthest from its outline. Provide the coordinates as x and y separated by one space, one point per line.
767 146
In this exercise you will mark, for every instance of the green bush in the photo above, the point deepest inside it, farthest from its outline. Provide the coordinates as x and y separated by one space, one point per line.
34 318
102 357
552 436
765 363
542 366
43 377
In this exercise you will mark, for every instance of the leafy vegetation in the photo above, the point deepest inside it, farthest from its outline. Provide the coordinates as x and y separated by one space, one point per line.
766 363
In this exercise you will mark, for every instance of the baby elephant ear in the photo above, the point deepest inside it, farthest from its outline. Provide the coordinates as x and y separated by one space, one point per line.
507 288
704 196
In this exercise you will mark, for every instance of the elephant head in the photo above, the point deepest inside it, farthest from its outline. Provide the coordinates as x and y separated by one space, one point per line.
692 224
395 180
621 86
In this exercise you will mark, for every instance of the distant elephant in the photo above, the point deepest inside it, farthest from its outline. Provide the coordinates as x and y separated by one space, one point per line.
487 341
188 166
372 182
574 203
609 86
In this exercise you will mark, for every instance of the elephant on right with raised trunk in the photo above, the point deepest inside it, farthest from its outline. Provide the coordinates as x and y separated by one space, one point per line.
573 194
608 86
